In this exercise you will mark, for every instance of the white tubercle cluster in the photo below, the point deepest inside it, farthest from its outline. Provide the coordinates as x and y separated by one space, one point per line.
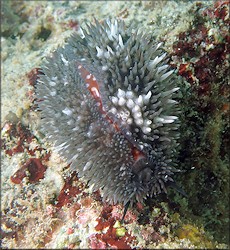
130 108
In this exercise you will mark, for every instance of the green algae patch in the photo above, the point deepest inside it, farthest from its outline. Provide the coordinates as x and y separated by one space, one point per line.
195 235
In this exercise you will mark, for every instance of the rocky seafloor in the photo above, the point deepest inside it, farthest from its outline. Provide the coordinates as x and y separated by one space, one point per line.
42 206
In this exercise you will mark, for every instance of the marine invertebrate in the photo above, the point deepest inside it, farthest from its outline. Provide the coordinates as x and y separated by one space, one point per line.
107 104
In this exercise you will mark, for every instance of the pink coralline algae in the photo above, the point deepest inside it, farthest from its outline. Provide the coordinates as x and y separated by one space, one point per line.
207 45
35 170
109 238
21 138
